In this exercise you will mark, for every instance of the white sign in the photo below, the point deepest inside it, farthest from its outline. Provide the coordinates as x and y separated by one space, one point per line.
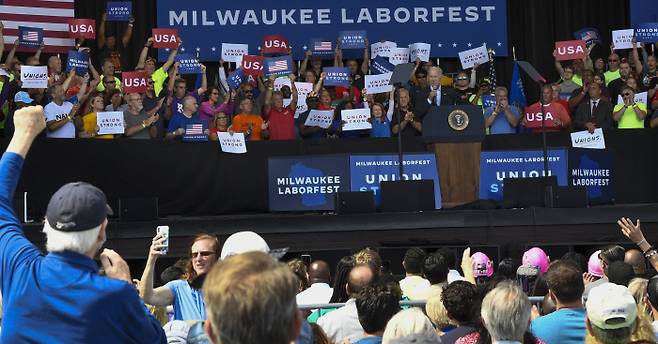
34 76
398 56
420 51
320 118
234 52
303 88
622 39
378 83
639 98
583 139
232 143
470 57
280 82
110 122
301 105
356 119
382 49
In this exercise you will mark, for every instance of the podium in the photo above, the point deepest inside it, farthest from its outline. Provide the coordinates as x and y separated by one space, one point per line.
455 134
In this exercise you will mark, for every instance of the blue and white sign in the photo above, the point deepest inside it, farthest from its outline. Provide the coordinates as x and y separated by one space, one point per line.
30 37
235 79
495 166
470 23
303 183
646 32
380 65
279 65
337 76
79 61
594 170
322 47
368 171
188 64
488 100
352 39
119 10
589 35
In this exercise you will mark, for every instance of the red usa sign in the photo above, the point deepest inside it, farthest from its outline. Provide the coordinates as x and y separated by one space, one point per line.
570 50
275 44
165 38
252 65
134 82
82 28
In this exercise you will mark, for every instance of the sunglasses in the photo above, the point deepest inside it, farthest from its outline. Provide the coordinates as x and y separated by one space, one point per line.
626 94
248 91
613 60
202 254
109 82
421 76
462 78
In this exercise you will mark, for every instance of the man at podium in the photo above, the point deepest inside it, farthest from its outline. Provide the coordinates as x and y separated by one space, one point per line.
435 94
557 118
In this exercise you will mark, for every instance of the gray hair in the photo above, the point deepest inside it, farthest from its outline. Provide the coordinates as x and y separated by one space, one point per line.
614 336
506 312
417 339
408 322
79 242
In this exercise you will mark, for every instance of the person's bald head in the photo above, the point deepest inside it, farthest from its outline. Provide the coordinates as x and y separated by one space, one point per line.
635 258
359 277
319 272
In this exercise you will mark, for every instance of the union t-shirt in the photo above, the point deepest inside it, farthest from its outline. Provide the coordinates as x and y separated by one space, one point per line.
54 112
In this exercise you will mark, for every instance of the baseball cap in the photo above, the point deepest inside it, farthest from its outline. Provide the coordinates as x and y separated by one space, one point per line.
247 241
77 207
482 265
594 266
536 257
176 331
22 97
611 306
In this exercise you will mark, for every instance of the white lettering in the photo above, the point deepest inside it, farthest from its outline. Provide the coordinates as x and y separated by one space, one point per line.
344 18
180 19
397 17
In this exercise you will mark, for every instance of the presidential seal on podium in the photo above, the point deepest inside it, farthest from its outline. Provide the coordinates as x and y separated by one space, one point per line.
458 119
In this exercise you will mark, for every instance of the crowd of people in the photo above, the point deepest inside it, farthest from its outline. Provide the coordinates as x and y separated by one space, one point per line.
584 98
240 291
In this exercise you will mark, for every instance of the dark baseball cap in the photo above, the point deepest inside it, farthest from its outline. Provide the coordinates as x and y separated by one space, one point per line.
77 207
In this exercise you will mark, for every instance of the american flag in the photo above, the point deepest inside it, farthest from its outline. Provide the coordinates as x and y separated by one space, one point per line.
194 129
30 36
277 66
322 46
50 15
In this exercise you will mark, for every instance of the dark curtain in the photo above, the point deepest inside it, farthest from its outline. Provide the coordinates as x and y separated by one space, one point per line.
533 27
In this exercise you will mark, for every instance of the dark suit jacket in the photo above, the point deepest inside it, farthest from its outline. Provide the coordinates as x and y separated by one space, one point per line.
448 97
602 116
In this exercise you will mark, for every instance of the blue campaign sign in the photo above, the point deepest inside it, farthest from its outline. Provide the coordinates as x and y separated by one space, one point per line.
643 11
380 65
646 32
188 64
79 61
488 100
336 76
589 35
352 39
593 168
368 171
30 37
495 166
202 23
119 10
279 65
302 183
235 79
322 47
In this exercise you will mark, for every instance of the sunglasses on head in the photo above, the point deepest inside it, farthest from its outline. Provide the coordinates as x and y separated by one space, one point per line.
202 254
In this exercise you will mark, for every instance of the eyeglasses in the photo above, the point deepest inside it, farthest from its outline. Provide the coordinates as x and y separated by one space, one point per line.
613 60
202 254
248 91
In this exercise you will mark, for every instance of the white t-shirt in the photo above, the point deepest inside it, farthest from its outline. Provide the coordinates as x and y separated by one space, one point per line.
56 112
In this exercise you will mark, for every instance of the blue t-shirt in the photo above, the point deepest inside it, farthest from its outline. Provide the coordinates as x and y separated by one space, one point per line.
380 129
188 302
181 121
370 340
500 124
564 326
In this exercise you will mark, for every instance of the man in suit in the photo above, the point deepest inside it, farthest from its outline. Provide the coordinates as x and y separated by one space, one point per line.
595 113
434 94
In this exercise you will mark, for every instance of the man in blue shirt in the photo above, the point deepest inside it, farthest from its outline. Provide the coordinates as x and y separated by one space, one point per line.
376 304
565 288
180 121
60 297
502 118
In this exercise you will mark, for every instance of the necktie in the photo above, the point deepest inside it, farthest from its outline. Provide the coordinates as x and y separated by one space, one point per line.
594 105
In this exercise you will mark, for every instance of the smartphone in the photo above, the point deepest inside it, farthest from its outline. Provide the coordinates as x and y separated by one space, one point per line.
306 258
165 233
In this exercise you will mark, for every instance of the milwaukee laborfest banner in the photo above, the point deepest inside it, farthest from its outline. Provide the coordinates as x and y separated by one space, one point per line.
202 23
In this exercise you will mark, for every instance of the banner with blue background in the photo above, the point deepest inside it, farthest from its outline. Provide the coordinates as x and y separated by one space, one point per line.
203 23
498 165
593 169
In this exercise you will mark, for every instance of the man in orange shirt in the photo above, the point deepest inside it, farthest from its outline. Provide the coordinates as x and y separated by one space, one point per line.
253 126
557 118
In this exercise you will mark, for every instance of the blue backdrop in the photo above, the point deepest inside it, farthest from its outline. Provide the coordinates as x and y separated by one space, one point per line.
449 26
497 165
643 11
593 168
367 171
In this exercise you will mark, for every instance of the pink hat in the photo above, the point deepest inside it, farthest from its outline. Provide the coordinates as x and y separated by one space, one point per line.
594 266
482 265
536 257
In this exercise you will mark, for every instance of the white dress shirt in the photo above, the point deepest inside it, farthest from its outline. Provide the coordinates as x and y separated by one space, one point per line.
315 294
342 323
